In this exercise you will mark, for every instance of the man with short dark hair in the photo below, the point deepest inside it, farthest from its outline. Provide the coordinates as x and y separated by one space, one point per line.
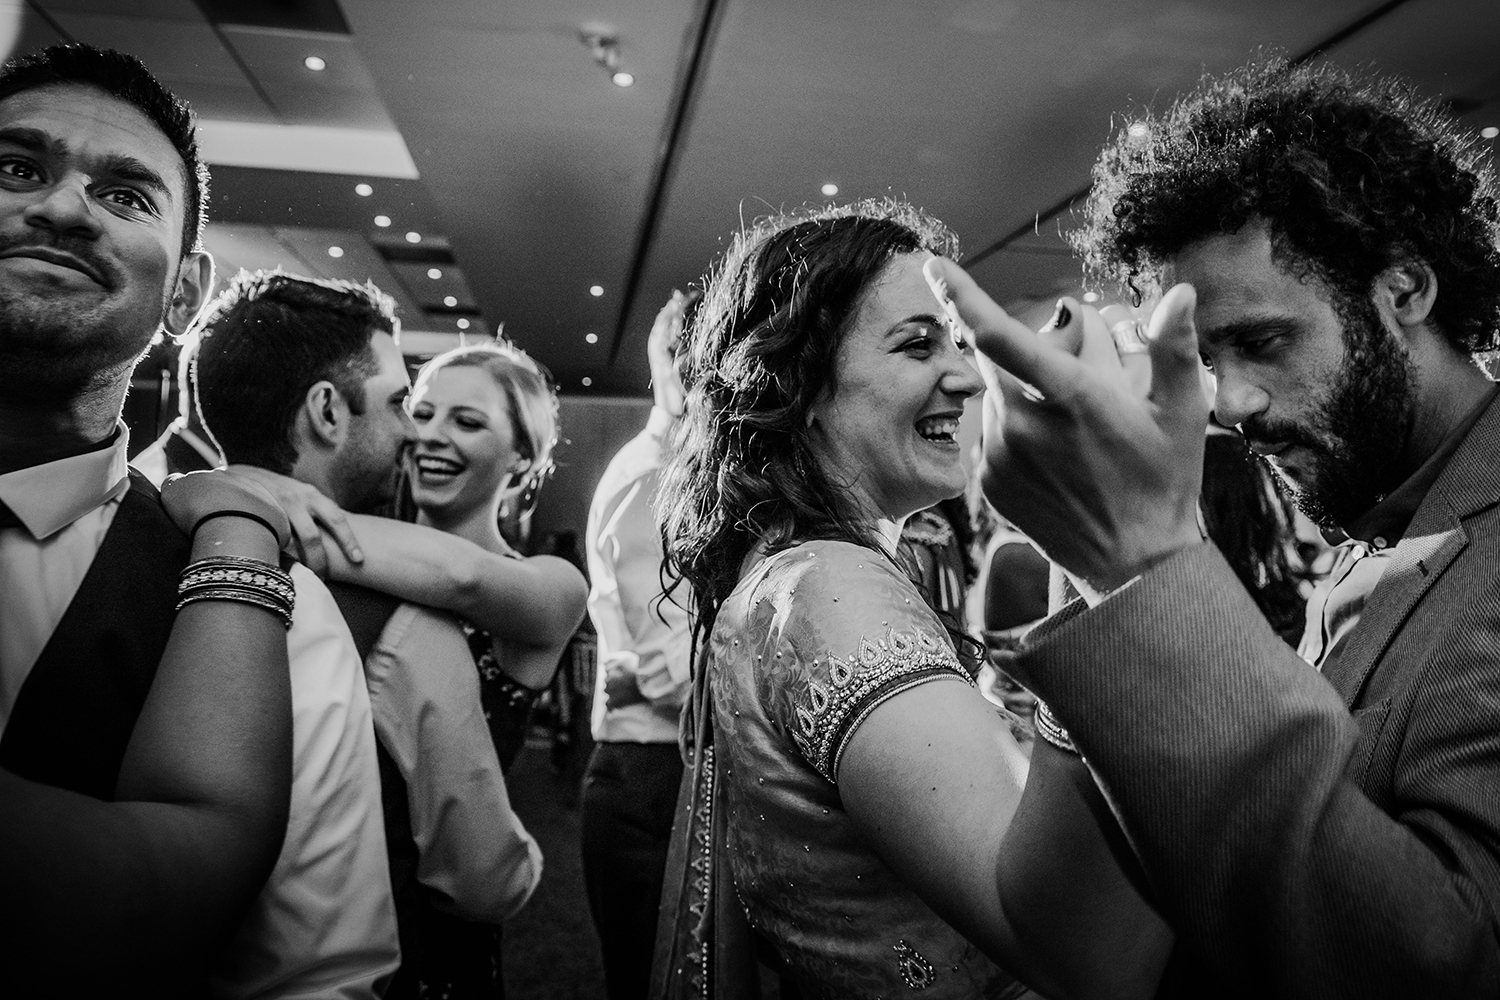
143 760
304 378
285 368
1329 245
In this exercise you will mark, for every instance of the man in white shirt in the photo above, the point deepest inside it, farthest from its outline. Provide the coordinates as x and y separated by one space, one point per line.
326 923
143 760
630 787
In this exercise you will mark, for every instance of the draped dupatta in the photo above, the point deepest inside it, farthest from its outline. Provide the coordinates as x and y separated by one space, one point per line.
705 949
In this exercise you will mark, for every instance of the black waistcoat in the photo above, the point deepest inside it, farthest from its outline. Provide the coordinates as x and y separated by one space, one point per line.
74 715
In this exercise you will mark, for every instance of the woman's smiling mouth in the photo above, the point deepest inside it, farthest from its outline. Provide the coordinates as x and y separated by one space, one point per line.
434 469
940 429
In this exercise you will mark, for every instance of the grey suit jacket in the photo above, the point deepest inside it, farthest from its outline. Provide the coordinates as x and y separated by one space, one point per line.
1309 835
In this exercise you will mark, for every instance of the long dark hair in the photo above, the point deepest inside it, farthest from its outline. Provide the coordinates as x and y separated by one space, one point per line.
762 350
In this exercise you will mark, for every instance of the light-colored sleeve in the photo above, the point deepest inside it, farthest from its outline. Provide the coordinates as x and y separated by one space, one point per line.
627 561
473 851
838 630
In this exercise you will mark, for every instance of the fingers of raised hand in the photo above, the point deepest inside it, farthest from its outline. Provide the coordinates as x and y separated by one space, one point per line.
1004 340
1064 330
668 323
1099 349
1176 381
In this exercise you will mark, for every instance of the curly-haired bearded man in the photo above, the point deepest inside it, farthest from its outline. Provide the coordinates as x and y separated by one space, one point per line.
1324 830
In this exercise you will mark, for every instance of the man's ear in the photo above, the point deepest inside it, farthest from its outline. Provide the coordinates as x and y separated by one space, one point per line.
327 414
1408 291
195 283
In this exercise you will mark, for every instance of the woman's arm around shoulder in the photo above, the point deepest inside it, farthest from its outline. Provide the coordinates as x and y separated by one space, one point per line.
536 601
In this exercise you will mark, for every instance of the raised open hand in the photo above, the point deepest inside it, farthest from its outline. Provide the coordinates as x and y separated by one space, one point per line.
661 353
1099 466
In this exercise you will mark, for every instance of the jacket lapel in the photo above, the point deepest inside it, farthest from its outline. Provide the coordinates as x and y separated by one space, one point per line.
1469 484
1424 553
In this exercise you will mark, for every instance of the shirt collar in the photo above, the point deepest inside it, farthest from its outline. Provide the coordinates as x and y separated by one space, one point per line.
49 497
1384 524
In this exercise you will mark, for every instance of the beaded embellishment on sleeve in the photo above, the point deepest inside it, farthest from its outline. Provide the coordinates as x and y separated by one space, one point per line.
856 684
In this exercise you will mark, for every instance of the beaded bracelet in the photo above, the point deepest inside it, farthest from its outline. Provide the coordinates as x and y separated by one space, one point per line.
235 571
236 578
1049 729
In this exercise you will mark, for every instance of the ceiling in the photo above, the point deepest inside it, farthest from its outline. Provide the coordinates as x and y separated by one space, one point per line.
513 175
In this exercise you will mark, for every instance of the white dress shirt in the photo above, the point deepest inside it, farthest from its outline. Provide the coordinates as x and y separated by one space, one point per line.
472 851
650 638
65 508
325 924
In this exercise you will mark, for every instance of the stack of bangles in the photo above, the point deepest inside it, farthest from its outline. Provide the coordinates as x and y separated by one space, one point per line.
237 578
1049 729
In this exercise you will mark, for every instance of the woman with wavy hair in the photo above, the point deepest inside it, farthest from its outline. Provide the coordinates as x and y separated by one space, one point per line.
855 802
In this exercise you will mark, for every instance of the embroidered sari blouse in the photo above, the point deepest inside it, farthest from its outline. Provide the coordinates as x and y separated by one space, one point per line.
810 642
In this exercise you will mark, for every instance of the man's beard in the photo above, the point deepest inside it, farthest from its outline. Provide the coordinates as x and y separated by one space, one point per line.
1359 430
365 477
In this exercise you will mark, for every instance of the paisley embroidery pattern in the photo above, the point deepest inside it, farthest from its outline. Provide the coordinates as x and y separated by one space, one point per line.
857 683
915 970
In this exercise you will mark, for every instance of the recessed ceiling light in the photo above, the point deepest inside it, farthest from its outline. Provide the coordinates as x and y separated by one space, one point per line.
414 237
587 381
830 189
1490 131
434 273
1091 296
450 301
363 190
591 338
596 290
335 251
623 79
382 221
463 324
315 63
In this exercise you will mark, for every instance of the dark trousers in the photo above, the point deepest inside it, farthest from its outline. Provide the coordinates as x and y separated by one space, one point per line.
629 797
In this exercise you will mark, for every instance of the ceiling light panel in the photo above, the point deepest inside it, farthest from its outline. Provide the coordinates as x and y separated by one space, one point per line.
342 94
183 51
306 147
